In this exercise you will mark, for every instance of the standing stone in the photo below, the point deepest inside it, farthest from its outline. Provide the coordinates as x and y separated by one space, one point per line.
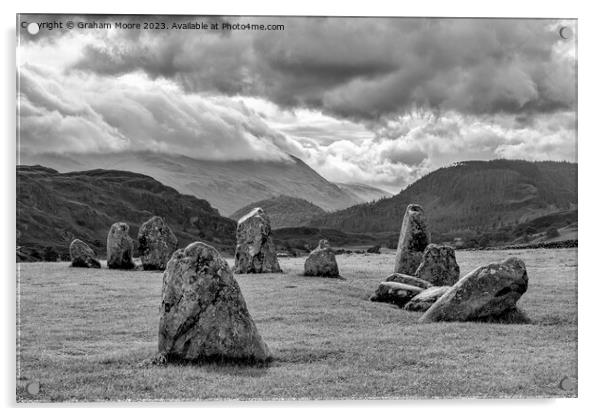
322 261
408 280
396 293
255 250
203 313
82 255
487 291
425 299
439 265
120 247
156 244
413 239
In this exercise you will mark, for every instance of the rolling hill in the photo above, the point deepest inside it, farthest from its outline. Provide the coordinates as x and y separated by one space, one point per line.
307 238
53 208
473 196
283 211
228 185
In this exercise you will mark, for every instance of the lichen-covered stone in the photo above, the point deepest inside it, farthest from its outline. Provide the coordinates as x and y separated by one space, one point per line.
439 265
156 244
255 250
322 261
425 299
120 247
408 280
413 239
396 293
487 291
82 255
203 313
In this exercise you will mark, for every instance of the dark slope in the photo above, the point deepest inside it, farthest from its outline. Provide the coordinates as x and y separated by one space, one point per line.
53 208
284 211
227 185
476 196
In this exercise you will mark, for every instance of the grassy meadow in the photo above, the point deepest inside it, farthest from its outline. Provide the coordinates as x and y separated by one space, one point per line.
83 332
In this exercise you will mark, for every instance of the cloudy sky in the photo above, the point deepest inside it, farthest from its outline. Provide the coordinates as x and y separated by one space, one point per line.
379 101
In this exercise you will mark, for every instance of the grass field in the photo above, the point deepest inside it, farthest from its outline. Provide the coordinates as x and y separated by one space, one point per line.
83 332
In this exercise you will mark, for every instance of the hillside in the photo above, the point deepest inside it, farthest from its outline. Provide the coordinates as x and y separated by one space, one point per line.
53 208
284 211
307 238
227 185
364 193
469 196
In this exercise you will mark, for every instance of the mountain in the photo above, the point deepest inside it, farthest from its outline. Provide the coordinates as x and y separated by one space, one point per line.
54 208
284 211
364 193
474 196
226 185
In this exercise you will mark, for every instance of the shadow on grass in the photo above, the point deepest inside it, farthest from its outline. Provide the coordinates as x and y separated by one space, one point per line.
246 367
556 320
326 278
511 316
234 368
306 355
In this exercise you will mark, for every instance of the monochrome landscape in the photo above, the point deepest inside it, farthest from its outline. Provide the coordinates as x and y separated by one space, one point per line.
332 208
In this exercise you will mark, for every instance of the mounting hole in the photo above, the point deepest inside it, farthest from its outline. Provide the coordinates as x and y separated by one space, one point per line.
33 388
33 28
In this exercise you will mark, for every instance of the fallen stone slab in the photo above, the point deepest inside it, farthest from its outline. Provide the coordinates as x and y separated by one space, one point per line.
487 291
425 299
396 293
408 280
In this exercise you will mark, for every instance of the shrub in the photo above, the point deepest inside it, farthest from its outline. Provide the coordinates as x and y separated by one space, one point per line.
50 254
552 233
374 249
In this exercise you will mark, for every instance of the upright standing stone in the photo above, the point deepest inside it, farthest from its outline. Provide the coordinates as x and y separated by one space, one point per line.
156 244
413 239
439 266
488 291
120 247
322 261
203 313
82 255
255 250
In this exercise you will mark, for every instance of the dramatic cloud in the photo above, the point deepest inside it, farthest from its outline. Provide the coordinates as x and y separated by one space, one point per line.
410 146
362 68
90 114
380 101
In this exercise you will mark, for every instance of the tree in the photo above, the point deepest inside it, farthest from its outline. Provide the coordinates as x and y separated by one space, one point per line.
50 254
483 241
552 233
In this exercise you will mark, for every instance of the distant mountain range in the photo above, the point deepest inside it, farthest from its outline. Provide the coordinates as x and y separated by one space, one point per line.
283 211
494 202
475 196
54 208
228 185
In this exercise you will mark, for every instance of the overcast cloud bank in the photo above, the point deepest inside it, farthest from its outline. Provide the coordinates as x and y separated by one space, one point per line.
377 101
